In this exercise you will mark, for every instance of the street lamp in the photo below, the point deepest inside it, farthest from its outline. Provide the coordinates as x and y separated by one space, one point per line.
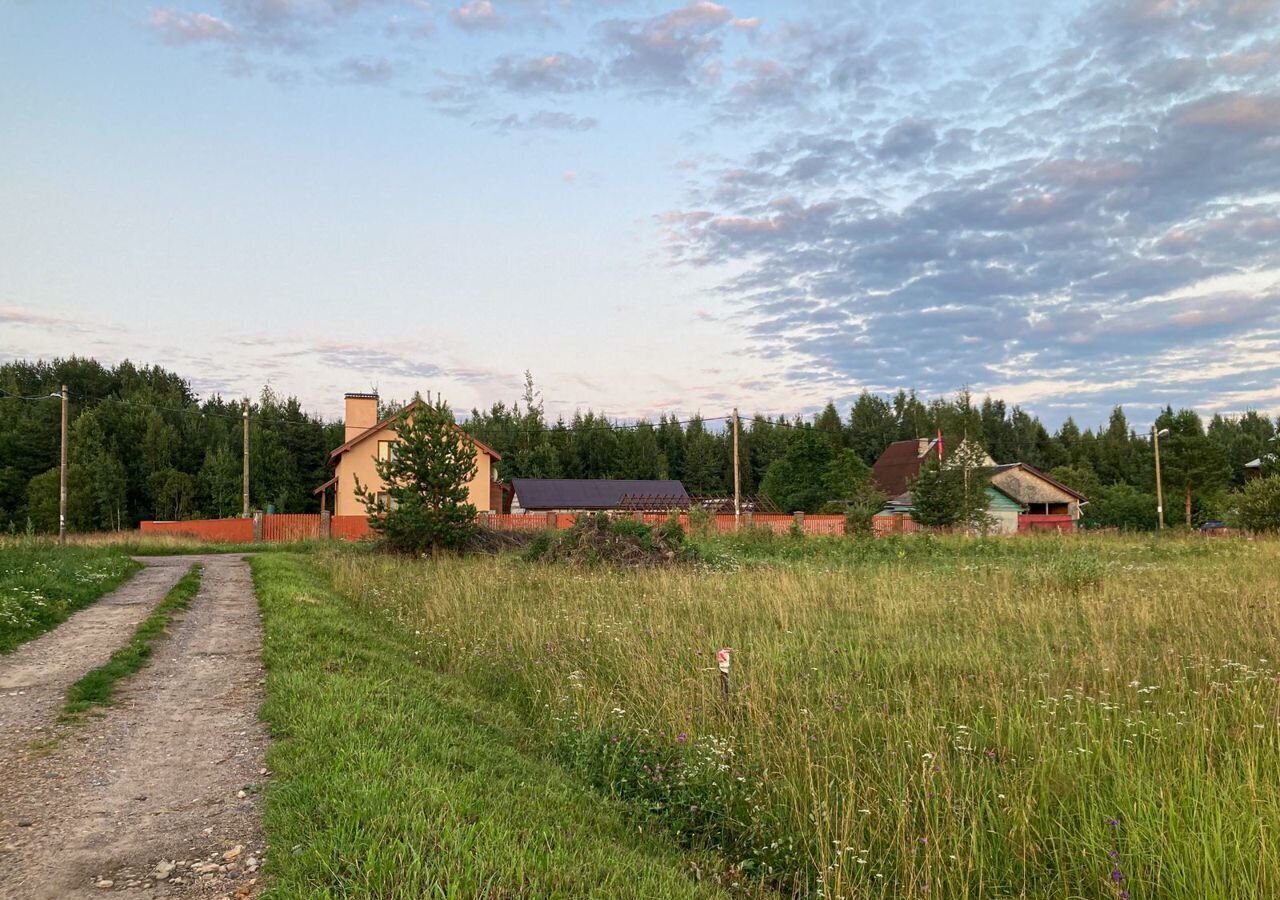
1155 442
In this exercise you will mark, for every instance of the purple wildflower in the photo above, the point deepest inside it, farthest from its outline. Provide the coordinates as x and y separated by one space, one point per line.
681 738
1116 876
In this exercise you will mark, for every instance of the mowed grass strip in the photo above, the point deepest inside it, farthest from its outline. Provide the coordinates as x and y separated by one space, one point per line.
41 584
393 782
98 687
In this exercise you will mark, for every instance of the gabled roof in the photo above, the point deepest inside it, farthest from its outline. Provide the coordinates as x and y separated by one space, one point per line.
368 432
900 462
590 493
1026 467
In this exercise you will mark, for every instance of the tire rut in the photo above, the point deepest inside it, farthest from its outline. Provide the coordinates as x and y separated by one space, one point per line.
34 678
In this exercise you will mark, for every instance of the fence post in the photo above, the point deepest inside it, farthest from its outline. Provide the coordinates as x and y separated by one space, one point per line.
257 526
799 519
748 517
326 529
551 521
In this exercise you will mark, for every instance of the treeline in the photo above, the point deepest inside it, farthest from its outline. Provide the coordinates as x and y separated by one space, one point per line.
142 446
1113 465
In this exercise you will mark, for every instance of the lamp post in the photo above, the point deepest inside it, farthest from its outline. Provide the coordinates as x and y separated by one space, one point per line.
1155 442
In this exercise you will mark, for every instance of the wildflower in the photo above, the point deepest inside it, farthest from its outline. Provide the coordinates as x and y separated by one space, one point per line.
1116 876
682 737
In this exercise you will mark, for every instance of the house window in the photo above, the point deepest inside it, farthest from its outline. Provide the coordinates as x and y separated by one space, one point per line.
386 450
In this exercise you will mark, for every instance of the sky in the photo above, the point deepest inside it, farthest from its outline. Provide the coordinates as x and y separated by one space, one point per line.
652 206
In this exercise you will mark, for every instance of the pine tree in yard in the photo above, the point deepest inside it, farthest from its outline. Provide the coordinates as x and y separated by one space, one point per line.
937 496
426 480
955 492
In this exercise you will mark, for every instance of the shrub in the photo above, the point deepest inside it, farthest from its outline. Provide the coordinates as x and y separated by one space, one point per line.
1259 506
625 542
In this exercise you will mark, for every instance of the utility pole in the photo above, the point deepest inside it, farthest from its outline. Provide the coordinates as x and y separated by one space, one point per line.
245 477
62 474
1155 441
737 476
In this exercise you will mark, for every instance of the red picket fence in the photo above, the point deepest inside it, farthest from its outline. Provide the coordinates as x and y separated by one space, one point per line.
305 527
349 528
280 527
1028 522
896 523
236 531
504 522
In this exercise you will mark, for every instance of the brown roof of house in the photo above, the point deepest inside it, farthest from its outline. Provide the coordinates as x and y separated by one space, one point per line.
900 462
333 457
1027 467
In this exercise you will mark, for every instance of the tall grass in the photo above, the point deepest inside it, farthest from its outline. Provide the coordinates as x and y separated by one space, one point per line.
1093 717
394 783
41 584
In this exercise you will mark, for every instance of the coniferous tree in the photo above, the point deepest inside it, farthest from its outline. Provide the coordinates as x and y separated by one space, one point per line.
427 504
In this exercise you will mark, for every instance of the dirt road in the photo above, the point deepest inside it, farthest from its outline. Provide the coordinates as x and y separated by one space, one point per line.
153 798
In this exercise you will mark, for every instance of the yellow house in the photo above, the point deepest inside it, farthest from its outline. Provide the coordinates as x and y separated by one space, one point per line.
368 440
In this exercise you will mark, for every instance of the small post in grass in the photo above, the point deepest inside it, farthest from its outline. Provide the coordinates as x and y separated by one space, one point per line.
722 663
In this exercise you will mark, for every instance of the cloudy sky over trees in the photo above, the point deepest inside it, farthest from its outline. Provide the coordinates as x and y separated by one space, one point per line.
654 206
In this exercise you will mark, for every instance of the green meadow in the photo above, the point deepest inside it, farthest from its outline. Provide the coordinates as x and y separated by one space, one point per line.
1092 716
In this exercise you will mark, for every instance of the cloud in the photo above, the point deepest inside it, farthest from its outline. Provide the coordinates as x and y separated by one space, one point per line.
907 139
551 73
1067 217
477 15
666 51
177 27
1237 111
370 71
545 120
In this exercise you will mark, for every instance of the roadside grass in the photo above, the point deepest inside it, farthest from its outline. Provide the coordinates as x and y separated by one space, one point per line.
392 782
135 543
98 686
42 584
1093 716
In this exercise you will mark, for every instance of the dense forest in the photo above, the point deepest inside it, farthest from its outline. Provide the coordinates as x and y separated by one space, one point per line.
143 446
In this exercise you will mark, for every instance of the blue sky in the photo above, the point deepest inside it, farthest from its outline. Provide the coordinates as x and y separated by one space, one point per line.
652 206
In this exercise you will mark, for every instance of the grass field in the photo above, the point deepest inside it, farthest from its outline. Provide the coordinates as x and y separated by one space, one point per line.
1084 717
390 781
41 584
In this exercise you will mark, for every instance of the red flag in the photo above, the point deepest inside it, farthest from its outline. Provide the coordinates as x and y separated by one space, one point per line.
939 445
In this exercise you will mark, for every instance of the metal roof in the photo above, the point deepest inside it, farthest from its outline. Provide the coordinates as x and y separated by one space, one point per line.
900 462
589 493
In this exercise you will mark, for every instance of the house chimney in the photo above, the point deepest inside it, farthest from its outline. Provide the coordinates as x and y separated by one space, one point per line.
361 414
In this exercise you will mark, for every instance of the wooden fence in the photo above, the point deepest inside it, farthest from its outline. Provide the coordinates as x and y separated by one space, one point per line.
278 528
218 531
